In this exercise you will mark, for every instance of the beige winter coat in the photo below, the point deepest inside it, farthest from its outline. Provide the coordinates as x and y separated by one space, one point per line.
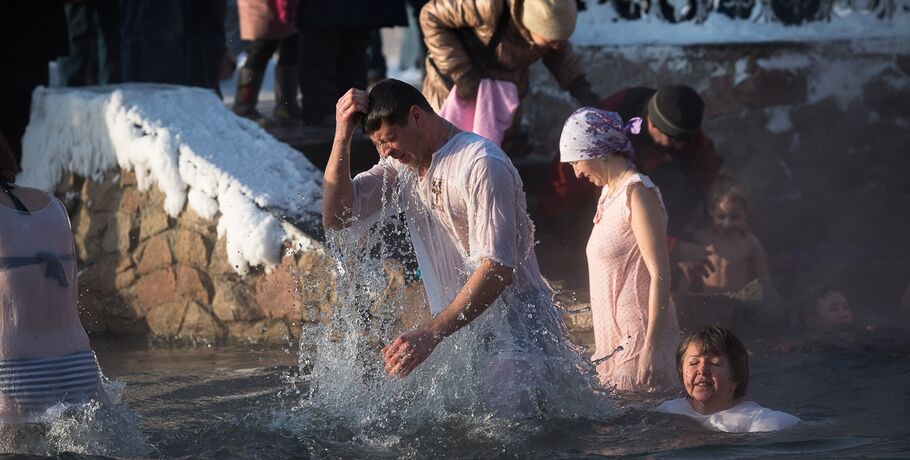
439 20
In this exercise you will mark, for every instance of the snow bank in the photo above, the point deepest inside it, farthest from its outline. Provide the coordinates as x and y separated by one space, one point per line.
601 25
188 144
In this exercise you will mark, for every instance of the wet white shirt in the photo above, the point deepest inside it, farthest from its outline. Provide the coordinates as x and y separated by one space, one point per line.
745 417
470 205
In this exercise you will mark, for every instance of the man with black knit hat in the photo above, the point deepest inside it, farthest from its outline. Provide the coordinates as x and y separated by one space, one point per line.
674 115
672 150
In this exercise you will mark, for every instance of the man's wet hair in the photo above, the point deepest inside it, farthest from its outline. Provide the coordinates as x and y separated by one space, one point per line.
391 101
8 166
716 340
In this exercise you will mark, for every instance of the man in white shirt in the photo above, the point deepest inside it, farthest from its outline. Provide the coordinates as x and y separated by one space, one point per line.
465 208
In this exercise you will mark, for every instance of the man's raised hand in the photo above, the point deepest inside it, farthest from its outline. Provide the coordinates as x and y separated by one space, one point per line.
350 107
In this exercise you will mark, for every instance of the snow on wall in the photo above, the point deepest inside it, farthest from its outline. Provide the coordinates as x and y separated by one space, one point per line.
839 75
601 25
196 151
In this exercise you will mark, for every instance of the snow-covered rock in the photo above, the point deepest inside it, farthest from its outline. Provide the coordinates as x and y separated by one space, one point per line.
262 193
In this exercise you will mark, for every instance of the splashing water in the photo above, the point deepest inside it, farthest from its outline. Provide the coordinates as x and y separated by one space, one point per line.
89 428
471 378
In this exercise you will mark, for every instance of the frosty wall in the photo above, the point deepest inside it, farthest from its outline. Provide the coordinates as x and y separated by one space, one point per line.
189 222
818 132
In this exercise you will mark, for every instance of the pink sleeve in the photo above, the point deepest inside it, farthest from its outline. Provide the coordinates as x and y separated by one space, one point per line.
491 207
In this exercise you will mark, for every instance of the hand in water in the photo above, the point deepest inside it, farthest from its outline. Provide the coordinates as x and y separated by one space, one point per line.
649 373
408 351
349 109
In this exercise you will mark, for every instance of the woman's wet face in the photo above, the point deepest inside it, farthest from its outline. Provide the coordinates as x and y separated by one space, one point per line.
708 379
831 310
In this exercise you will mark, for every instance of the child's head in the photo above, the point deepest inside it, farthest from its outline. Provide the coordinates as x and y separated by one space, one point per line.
729 209
825 308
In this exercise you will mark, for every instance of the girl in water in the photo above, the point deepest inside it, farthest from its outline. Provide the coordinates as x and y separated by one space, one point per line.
733 249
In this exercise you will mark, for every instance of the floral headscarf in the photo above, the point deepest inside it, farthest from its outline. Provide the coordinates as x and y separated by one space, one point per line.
593 133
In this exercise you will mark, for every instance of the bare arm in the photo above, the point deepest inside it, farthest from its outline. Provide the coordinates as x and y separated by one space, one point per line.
484 286
649 225
482 289
337 188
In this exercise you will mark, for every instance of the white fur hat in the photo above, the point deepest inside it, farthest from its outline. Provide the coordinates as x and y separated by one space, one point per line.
551 19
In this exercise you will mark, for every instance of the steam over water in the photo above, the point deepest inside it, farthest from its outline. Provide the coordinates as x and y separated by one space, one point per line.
333 399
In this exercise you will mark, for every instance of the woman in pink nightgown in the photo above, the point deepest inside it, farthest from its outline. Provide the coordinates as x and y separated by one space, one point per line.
635 325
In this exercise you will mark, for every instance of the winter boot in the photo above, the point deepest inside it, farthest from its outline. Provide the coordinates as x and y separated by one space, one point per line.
287 110
249 82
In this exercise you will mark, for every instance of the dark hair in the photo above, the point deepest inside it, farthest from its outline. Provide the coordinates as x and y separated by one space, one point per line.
391 101
8 166
716 340
809 304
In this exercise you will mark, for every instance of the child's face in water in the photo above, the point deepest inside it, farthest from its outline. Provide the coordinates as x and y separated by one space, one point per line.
832 310
729 217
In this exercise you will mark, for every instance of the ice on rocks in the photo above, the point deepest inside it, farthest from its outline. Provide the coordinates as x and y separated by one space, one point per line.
184 141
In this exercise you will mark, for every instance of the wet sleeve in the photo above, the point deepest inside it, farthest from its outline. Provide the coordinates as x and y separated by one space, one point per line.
772 420
491 207
369 189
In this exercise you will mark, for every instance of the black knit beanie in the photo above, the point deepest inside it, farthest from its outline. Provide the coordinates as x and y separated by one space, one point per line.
677 111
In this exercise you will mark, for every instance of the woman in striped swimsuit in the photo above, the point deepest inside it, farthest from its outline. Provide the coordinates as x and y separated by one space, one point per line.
45 357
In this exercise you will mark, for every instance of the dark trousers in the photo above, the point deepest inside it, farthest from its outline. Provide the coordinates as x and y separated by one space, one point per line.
31 34
377 68
332 61
173 41
94 36
260 51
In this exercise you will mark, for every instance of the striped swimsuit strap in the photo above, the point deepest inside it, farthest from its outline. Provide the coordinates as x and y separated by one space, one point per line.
36 384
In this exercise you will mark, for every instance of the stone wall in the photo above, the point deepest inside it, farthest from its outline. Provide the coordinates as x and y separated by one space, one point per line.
143 274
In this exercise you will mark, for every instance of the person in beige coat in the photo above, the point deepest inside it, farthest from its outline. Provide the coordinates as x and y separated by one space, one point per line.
468 40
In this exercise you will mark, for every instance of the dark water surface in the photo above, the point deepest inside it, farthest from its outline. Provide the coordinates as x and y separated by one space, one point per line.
239 402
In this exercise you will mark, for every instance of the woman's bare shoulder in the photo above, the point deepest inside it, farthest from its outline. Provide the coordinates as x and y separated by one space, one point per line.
32 198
